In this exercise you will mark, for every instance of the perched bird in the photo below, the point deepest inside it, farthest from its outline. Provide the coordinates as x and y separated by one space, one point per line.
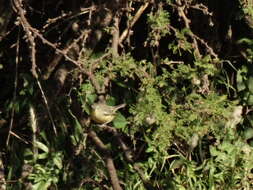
103 114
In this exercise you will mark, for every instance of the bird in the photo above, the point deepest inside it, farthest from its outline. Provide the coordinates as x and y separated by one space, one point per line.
102 113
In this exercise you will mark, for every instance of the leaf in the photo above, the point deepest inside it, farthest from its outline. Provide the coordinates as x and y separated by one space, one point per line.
251 142
250 84
176 164
77 125
86 108
42 185
119 121
91 98
41 146
28 152
239 80
248 133
42 156
111 101
250 118
121 84
58 161
250 99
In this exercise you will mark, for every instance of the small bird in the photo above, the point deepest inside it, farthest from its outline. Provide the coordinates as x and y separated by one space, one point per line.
103 114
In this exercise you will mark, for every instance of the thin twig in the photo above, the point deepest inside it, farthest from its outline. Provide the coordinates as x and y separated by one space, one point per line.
18 137
66 17
15 89
187 25
202 8
209 49
30 34
53 64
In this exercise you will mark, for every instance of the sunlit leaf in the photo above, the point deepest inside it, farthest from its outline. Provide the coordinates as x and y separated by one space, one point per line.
250 84
41 146
250 99
119 121
58 161
248 133
42 156
239 81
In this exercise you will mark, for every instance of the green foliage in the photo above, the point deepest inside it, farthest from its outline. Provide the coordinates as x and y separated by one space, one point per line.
234 170
46 174
187 122
181 44
249 50
87 96
158 23
120 121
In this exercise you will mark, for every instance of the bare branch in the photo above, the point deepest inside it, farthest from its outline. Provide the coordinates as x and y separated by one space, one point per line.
108 158
133 21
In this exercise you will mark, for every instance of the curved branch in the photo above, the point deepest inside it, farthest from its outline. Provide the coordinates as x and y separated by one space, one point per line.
108 159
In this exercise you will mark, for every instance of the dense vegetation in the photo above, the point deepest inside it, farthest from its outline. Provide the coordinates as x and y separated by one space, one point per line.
182 67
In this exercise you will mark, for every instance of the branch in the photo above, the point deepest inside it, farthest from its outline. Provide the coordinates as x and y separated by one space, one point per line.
33 33
115 38
66 17
134 20
129 157
2 176
187 25
30 34
108 159
202 8
57 58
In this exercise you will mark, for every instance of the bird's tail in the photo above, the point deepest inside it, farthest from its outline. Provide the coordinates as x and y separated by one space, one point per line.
119 106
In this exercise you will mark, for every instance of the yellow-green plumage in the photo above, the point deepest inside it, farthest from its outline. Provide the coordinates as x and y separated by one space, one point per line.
103 114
